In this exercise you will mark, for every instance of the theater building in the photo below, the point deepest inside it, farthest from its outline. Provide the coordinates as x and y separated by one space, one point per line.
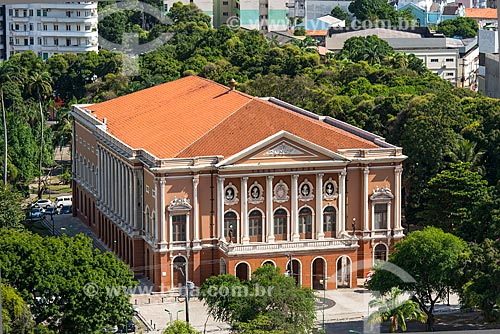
194 173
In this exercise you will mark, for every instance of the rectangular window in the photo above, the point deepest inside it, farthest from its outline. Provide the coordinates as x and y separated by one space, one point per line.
16 12
68 13
225 3
78 13
32 41
31 27
16 27
45 56
147 189
179 228
39 43
10 12
45 27
450 74
56 27
26 41
56 41
17 41
225 14
31 12
68 27
153 193
87 28
44 13
78 28
380 217
434 60
449 60
25 13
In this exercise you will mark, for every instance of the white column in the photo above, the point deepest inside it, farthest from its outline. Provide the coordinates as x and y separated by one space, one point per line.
196 207
170 231
134 198
130 203
116 192
155 231
161 213
107 179
269 209
122 190
320 234
295 211
220 208
397 200
188 237
127 195
366 173
244 210
342 203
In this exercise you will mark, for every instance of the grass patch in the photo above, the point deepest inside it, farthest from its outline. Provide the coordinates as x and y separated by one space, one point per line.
60 188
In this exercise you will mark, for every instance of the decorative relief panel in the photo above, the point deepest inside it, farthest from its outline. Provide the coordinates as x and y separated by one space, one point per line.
281 192
179 204
382 195
255 193
330 190
230 194
306 191
283 149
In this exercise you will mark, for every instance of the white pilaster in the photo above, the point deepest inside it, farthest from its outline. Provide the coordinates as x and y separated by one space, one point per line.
127 196
188 235
397 201
170 231
320 234
196 208
161 216
220 208
116 192
366 173
269 209
295 211
134 199
244 210
131 203
342 202
155 228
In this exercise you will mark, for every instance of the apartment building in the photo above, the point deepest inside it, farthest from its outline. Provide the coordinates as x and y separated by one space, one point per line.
453 60
2 33
51 28
193 173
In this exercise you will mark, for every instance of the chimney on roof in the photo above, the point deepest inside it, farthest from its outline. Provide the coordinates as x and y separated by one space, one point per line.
232 84
104 120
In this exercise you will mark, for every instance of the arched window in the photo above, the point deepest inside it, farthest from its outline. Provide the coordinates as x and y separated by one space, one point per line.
280 224
329 221
153 225
222 267
380 252
230 226
255 226
148 231
305 223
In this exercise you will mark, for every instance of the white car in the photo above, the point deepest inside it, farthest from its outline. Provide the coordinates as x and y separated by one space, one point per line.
43 203
63 200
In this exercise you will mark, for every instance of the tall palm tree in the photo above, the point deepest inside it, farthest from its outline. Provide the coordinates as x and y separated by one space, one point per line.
40 84
392 308
8 73
465 151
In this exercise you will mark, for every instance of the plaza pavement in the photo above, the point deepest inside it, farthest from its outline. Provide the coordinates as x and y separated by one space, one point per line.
348 304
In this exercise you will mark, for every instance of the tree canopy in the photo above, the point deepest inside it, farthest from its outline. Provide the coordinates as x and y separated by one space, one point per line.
433 258
464 27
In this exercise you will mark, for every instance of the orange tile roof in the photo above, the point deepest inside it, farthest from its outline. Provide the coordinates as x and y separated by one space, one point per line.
481 13
193 116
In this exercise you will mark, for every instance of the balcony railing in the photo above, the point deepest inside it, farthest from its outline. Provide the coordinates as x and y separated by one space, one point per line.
253 248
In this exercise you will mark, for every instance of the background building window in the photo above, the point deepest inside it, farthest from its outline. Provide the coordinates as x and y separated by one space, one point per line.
179 228
380 252
380 218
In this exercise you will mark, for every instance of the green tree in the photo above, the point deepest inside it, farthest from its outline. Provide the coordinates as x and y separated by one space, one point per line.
452 199
17 318
481 288
339 13
299 31
180 327
433 258
395 310
466 151
40 84
465 27
269 295
68 285
8 73
370 48
12 213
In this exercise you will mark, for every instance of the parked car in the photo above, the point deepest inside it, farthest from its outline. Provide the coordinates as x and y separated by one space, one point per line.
43 203
35 213
63 200
51 210
65 209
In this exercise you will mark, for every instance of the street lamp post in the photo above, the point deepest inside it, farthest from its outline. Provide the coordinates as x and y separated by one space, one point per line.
169 313
187 287
323 282
289 257
178 311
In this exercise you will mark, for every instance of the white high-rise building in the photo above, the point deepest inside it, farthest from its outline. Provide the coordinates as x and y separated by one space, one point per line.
51 28
2 32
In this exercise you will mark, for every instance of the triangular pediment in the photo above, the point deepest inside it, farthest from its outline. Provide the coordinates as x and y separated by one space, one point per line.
283 148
